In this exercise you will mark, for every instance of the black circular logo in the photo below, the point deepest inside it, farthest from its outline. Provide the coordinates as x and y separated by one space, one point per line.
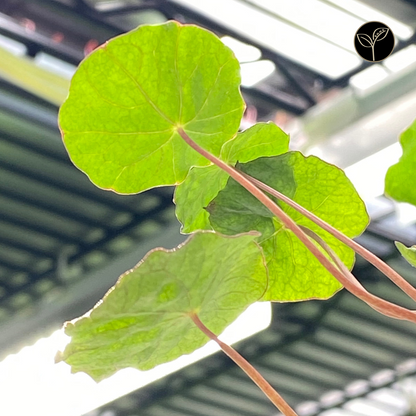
374 41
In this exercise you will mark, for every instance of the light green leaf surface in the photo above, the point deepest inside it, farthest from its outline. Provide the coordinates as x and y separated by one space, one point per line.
129 97
409 253
203 184
400 178
144 319
262 139
200 187
323 189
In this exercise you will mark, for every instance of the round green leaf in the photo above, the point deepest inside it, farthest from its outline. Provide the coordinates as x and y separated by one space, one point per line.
130 96
202 185
144 321
323 189
400 178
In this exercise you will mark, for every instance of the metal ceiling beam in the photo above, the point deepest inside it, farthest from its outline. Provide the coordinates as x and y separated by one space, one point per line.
59 236
34 147
69 188
274 101
22 246
125 9
83 17
37 113
61 211
12 267
36 42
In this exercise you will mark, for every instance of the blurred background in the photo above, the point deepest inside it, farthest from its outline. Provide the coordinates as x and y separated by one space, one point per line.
64 242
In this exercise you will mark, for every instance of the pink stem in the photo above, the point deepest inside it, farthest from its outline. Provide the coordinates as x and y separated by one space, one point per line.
261 382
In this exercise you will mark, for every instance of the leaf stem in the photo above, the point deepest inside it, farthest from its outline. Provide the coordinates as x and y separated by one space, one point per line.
341 266
381 305
362 251
261 382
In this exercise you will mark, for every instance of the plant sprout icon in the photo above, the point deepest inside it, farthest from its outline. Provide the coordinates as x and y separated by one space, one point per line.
367 42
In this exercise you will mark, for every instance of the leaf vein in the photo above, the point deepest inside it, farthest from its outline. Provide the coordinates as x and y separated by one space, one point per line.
139 87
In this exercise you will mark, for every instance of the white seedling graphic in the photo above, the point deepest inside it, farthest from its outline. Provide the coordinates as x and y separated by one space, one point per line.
367 42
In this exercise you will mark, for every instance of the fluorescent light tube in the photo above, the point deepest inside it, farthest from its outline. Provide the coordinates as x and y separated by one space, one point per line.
368 174
369 77
369 14
242 51
315 16
401 59
306 49
10 45
253 72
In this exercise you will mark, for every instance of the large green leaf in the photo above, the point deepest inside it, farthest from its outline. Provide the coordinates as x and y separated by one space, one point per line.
294 273
203 184
400 178
130 96
144 319
409 253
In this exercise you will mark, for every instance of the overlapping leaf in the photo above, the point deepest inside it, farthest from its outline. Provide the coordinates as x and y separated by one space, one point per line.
409 253
144 320
400 178
323 189
203 184
129 97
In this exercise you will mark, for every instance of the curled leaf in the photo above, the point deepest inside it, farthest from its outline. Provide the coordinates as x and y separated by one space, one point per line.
144 320
409 253
365 40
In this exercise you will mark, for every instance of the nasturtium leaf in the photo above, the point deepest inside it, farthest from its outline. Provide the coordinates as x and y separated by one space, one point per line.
409 253
262 139
400 178
130 96
202 185
144 319
323 189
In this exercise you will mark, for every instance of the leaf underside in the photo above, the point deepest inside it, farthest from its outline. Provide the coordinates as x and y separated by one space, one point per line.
323 189
144 319
129 97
